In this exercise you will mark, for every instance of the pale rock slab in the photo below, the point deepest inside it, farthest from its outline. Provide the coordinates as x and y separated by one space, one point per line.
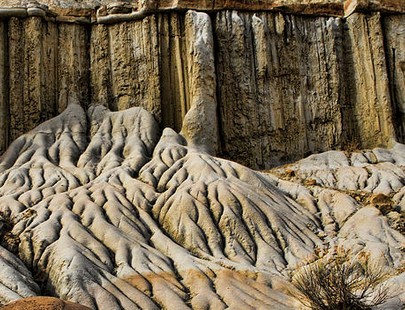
16 281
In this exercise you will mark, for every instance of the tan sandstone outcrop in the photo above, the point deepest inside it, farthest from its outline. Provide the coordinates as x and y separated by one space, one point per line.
107 11
291 85
275 86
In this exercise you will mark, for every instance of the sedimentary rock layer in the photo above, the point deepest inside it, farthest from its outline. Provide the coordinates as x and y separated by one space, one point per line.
290 85
4 102
42 63
280 85
276 86
395 43
106 11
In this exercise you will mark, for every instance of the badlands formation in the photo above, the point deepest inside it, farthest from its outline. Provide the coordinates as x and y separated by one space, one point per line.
156 154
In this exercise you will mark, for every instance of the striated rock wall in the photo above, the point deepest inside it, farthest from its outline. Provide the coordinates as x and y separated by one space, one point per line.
280 85
4 120
367 84
290 85
42 63
395 49
272 87
140 63
125 65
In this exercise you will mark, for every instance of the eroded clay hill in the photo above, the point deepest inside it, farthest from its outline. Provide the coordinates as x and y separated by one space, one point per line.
107 211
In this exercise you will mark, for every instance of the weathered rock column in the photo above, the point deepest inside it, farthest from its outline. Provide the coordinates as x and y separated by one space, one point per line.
174 78
3 89
32 49
125 65
367 84
73 64
200 125
279 82
16 77
42 64
394 26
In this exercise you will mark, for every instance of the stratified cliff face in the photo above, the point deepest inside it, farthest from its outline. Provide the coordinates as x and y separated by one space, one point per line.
291 85
277 85
396 68
41 63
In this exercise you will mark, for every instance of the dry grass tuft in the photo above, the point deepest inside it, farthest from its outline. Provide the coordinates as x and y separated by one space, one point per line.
341 282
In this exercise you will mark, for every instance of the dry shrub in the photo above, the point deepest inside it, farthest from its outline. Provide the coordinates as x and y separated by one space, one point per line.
351 145
341 282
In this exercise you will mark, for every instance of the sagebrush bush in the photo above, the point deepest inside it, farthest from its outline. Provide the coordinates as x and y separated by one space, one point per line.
341 282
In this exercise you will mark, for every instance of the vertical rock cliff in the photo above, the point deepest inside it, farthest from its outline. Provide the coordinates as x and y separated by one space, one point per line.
4 102
279 85
42 62
395 49
293 85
